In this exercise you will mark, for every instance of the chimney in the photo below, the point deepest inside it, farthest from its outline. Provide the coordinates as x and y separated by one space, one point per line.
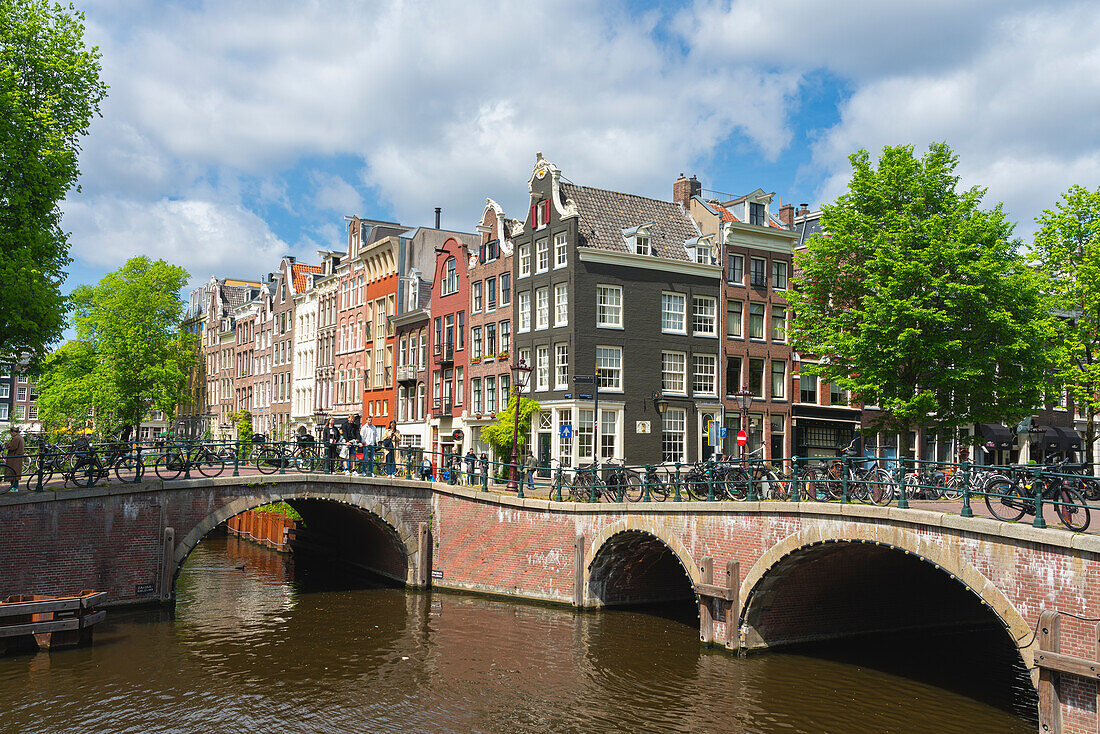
786 215
685 188
803 210
437 211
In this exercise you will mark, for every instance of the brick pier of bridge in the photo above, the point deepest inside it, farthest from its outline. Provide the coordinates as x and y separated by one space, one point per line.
762 574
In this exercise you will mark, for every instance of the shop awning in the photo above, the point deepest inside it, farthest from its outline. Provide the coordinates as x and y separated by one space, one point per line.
996 436
1058 438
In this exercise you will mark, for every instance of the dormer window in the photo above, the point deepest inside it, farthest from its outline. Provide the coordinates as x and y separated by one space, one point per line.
757 214
641 245
702 254
638 239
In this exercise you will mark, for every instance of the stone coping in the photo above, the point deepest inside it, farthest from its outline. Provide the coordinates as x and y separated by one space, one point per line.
913 517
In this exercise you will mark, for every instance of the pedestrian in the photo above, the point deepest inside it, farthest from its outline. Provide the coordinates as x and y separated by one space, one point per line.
426 469
353 440
390 442
530 471
471 467
330 436
485 467
370 441
16 450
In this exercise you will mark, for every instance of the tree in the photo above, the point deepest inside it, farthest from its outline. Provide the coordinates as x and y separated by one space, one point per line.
70 395
49 91
917 300
1067 249
129 341
499 435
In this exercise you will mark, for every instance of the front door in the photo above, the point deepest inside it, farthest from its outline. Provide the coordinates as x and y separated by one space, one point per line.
544 455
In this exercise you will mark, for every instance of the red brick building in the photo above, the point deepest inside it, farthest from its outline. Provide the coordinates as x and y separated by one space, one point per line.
447 342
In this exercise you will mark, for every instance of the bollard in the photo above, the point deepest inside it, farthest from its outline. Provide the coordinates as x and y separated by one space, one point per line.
752 484
843 480
519 484
485 476
710 483
967 511
593 495
796 481
236 458
899 481
1037 485
186 454
140 472
557 484
646 482
621 482
676 497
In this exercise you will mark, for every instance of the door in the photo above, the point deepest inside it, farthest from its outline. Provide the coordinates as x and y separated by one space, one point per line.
544 455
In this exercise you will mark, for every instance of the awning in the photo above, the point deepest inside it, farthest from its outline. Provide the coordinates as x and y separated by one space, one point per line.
1057 438
996 436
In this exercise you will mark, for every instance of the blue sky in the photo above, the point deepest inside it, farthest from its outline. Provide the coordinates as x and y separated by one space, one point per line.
237 132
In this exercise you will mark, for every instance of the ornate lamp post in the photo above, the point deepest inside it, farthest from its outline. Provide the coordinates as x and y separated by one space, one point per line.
744 402
521 373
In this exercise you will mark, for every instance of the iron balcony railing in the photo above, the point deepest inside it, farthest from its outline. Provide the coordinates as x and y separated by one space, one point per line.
444 353
441 408
406 373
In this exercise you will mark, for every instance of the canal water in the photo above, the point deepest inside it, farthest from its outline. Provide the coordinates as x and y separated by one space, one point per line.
256 645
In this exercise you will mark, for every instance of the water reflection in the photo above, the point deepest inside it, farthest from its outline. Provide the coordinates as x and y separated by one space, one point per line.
272 648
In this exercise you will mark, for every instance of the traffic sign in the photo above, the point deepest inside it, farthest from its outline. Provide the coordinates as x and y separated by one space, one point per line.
722 432
589 379
566 430
742 438
585 396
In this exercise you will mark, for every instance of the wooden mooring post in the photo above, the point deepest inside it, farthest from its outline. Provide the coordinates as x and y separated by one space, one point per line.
728 592
1053 664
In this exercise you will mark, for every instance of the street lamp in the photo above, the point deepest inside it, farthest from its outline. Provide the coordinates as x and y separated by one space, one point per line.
521 373
319 418
744 402
661 402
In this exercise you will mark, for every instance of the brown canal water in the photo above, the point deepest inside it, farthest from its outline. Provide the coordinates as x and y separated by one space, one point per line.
272 648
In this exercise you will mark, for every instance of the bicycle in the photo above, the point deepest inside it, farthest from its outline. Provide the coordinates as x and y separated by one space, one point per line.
1010 500
617 484
179 458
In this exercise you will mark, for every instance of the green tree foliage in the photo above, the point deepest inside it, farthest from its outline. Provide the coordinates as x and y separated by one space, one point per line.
244 426
49 92
917 300
130 356
1067 250
499 434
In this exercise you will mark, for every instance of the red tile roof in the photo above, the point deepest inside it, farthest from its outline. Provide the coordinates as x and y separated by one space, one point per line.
299 271
727 215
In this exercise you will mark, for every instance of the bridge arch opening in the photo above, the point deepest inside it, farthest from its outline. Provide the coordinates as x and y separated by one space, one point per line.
332 531
636 568
885 607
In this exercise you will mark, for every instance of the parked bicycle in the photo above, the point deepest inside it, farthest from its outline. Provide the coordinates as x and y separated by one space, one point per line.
615 484
1011 499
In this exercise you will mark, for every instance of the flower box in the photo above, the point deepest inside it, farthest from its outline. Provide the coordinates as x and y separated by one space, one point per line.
475 360
502 355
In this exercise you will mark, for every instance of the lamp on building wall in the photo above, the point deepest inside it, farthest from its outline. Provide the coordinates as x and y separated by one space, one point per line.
744 402
521 374
660 402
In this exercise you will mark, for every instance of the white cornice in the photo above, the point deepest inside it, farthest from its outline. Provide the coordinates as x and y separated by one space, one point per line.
648 262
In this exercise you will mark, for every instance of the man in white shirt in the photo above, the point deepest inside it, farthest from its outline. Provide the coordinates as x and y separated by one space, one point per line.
370 441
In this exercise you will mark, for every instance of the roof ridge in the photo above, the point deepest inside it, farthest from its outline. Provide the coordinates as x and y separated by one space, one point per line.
621 193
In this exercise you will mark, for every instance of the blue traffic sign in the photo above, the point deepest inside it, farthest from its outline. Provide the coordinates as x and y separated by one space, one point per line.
585 396
566 430
722 432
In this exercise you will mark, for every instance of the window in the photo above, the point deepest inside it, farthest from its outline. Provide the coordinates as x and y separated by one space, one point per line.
5 390
561 366
704 369
461 329
756 214
542 308
779 326
423 360
450 277
779 379
491 394
21 394
701 254
779 275
18 413
756 377
609 306
733 376
673 306
32 413
3 411
475 342
673 435
807 388
565 445
525 311
609 367
475 394
561 304
673 365
503 388
505 336
542 368
609 424
490 341
704 316
585 430
837 395
734 314
476 308
560 251
737 269
542 252
641 244
524 260
758 278
505 289
756 320
490 294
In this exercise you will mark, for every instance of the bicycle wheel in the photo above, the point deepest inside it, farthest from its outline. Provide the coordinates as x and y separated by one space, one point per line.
85 473
1005 501
580 489
952 488
882 487
633 491
303 461
126 468
658 489
169 466
1073 513
269 460
808 481
735 486
695 486
209 464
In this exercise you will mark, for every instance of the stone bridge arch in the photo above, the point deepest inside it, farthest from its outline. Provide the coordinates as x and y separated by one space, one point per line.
627 549
779 563
389 522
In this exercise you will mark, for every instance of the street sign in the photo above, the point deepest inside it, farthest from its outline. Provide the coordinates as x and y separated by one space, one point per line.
714 433
457 435
722 432
566 430
742 438
587 380
585 396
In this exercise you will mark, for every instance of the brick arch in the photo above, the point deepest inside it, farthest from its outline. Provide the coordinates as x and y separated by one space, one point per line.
394 525
644 525
900 540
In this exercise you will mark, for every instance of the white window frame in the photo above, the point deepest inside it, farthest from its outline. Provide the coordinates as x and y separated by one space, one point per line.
524 312
561 304
674 435
611 309
699 361
542 368
696 301
668 297
561 251
642 245
542 255
613 376
524 261
671 373
561 366
542 308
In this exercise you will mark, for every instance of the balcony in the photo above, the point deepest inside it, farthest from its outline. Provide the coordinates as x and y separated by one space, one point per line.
444 353
441 408
406 373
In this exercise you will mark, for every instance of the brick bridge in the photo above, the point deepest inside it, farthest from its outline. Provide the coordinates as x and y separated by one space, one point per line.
763 574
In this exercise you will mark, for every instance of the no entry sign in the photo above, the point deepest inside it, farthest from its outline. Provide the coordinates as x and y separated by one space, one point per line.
742 438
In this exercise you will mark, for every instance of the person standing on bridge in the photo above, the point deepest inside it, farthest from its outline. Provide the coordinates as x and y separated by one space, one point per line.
354 439
330 437
390 441
370 441
16 449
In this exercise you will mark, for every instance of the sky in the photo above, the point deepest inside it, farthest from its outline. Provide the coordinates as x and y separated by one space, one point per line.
235 133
